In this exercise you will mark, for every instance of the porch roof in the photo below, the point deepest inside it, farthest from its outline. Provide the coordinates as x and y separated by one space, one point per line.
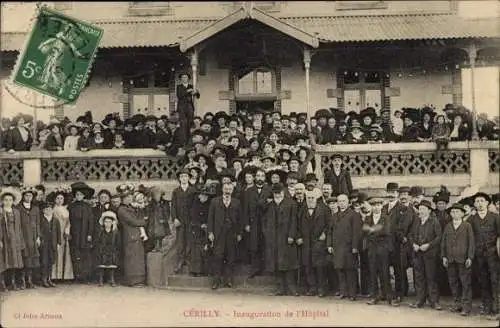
159 33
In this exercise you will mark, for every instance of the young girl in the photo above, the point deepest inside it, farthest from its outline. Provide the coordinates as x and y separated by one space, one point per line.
108 247
50 231
12 241
71 141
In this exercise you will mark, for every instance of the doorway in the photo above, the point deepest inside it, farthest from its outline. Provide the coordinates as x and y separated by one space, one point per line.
252 105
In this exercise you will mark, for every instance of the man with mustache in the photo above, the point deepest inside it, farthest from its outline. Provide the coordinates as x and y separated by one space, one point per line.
255 198
401 216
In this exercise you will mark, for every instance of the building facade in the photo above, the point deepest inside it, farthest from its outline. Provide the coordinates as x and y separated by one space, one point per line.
287 56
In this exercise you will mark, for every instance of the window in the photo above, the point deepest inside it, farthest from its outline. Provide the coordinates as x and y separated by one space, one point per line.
362 89
149 8
257 82
149 94
267 6
361 5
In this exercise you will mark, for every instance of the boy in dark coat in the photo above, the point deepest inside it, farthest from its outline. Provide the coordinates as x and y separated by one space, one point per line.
311 241
339 177
224 232
425 237
377 229
50 236
457 252
345 240
182 199
108 245
486 227
280 229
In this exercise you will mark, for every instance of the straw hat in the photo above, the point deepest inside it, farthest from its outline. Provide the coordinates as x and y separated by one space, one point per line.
12 192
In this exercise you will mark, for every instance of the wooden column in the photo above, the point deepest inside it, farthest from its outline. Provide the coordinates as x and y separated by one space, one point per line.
307 66
472 58
194 69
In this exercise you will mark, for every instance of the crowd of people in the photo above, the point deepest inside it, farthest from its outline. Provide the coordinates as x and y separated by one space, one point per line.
248 194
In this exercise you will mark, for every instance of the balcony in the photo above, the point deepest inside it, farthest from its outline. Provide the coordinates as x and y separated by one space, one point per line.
371 166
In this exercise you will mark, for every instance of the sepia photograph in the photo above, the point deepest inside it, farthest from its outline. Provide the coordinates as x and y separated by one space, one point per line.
250 163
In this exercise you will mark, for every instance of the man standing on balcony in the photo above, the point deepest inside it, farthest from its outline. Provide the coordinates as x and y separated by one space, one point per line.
185 105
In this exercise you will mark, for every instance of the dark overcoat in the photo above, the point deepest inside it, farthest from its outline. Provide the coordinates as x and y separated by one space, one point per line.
16 142
50 232
13 239
427 233
185 99
30 223
346 236
401 218
341 184
313 251
379 241
82 220
181 203
225 226
198 235
278 223
134 265
158 216
254 204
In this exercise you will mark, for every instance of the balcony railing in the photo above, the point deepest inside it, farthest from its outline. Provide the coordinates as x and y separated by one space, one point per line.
371 166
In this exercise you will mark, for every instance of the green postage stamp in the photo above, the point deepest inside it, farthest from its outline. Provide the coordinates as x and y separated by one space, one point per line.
58 56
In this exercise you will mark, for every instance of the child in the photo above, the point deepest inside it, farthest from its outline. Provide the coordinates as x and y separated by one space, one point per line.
108 247
440 134
457 251
118 143
50 232
397 124
11 236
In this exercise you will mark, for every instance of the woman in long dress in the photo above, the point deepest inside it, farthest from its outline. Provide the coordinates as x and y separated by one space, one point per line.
63 267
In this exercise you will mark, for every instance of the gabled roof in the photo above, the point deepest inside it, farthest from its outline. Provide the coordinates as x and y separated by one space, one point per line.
242 14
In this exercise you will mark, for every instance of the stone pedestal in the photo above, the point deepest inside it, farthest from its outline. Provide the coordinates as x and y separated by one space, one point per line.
156 277
32 172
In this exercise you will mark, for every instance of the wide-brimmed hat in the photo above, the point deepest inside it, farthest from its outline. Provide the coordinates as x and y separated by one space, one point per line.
279 171
51 197
84 188
404 189
183 171
108 214
495 197
469 201
457 206
125 189
426 203
184 73
277 188
392 186
44 205
28 190
483 195
14 192
228 173
310 177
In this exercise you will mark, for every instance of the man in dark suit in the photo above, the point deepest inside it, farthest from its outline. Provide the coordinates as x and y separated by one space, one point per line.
185 105
255 199
279 226
425 238
377 229
401 215
311 241
344 246
338 177
224 233
176 139
486 227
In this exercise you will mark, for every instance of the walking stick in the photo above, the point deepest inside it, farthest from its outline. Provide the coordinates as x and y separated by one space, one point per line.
64 256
